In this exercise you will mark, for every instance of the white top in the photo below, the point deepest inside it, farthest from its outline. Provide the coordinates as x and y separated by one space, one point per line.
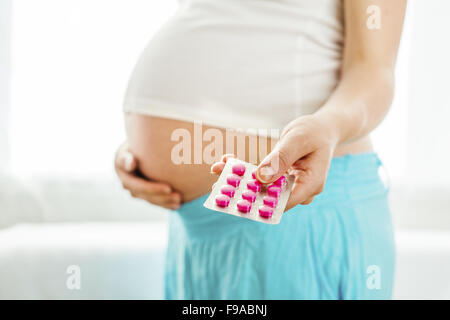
241 64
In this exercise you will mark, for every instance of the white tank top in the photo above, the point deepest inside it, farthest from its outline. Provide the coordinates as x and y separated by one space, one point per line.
241 64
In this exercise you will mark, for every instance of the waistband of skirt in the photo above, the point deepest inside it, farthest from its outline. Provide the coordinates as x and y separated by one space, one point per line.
355 167
353 177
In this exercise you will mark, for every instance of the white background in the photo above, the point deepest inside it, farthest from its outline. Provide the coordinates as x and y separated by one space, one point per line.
71 63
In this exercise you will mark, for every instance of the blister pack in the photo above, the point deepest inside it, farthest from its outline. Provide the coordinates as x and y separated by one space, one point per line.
238 192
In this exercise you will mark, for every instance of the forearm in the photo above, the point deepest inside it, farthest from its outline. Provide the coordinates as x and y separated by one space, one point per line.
359 103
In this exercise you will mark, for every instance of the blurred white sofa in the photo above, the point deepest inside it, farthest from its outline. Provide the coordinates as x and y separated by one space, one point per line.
126 261
70 199
115 260
423 265
48 224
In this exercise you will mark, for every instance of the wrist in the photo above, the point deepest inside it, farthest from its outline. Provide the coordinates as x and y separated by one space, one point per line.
331 125
312 131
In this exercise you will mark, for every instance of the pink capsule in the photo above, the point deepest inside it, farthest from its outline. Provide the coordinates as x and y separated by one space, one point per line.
254 174
233 180
254 185
238 169
270 201
228 190
222 200
281 181
274 191
265 212
244 206
249 195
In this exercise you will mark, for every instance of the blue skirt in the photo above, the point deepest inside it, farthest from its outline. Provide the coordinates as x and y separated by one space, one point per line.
340 246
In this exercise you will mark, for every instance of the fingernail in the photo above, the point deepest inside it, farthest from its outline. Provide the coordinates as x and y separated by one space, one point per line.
128 161
265 174
212 169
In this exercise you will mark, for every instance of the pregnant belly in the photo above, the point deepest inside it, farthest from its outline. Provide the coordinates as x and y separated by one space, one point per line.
180 153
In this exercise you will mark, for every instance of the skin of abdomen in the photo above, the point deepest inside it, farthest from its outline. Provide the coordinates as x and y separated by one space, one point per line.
150 140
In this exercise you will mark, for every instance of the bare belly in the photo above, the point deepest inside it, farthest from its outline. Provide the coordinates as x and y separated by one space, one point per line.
165 154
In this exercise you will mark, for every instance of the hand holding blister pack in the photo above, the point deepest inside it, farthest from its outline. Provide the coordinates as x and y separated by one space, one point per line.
238 192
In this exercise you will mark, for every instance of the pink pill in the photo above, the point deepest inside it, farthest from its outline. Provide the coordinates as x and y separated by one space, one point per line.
228 190
265 212
274 191
270 201
244 206
238 169
222 200
281 181
249 195
254 174
233 180
254 185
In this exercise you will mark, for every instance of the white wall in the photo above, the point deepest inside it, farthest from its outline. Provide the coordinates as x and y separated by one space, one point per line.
428 146
428 133
71 64
5 59
414 139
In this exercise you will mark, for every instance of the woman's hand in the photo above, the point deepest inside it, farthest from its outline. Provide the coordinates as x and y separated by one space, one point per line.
305 150
157 193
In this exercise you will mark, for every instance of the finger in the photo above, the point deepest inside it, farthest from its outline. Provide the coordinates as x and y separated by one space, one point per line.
126 161
292 204
217 168
170 206
171 201
302 192
214 185
140 185
298 196
160 199
307 201
273 166
276 163
227 156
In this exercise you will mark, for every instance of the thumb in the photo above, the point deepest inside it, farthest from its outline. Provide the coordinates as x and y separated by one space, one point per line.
128 161
277 162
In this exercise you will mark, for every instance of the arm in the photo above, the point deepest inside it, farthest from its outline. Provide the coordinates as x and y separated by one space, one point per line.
358 104
364 94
